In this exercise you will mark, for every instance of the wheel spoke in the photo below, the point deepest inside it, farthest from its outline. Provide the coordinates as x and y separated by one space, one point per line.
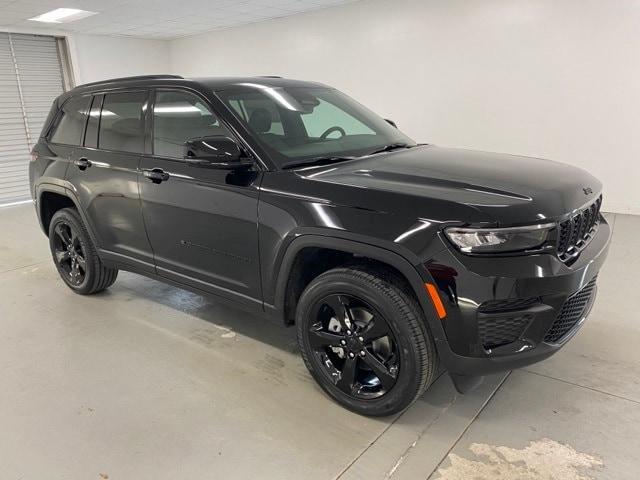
61 256
348 376
63 234
376 328
381 371
81 263
74 238
340 305
75 273
320 340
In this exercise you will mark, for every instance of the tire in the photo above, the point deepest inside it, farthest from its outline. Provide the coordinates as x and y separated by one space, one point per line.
75 255
357 292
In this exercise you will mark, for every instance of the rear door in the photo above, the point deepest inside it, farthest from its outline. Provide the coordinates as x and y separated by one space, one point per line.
104 174
64 137
202 223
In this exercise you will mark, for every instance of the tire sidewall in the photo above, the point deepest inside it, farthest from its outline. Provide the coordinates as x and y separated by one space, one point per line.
408 380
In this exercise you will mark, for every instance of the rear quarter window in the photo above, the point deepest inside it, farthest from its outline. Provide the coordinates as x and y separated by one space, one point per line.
69 123
48 123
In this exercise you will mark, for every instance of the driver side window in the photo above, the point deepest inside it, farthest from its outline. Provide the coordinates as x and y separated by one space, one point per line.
326 115
179 116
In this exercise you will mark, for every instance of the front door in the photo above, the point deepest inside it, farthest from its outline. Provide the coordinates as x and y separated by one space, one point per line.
201 222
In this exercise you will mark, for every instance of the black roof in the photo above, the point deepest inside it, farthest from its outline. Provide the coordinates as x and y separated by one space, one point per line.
213 83
223 83
128 79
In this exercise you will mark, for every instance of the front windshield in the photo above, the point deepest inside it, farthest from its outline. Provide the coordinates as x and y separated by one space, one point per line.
294 124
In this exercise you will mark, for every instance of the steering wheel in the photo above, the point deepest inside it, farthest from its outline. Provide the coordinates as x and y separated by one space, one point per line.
330 130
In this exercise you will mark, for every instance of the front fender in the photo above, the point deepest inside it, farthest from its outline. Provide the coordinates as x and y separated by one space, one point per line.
405 262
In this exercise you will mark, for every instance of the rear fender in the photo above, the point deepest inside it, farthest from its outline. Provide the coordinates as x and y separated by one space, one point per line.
61 189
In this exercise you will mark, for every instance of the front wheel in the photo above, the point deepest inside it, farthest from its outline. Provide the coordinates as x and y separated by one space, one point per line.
365 341
75 256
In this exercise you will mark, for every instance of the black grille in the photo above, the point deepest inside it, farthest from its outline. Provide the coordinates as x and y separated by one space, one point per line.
571 313
575 232
501 330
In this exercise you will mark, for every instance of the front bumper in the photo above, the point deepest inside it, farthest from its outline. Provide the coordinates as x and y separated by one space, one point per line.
500 311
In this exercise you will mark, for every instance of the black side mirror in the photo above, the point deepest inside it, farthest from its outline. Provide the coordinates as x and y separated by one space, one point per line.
215 152
391 122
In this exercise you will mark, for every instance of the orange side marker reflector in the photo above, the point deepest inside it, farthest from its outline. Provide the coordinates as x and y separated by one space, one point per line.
435 298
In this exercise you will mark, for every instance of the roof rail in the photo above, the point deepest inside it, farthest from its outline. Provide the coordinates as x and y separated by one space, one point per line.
269 76
139 77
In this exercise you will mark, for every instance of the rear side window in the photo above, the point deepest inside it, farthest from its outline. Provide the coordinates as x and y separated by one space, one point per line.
69 124
122 122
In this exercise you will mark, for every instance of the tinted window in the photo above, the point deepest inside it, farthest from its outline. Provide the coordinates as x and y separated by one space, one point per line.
179 116
91 135
48 123
299 123
70 122
122 122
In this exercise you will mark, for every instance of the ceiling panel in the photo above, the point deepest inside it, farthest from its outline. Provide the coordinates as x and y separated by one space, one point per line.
154 18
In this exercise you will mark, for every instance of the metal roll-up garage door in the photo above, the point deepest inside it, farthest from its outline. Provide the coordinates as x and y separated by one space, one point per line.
31 76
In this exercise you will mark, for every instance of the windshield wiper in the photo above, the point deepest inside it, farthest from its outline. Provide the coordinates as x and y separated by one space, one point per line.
391 146
341 158
316 161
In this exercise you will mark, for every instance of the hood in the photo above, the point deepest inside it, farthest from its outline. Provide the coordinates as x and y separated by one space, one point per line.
507 189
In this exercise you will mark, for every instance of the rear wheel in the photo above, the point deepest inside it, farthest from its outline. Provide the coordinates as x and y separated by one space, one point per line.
365 341
75 256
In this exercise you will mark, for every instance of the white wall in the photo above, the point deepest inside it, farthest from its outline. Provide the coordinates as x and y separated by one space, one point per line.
553 79
98 57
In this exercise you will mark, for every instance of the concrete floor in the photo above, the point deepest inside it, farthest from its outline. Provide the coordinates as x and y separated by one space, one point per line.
149 381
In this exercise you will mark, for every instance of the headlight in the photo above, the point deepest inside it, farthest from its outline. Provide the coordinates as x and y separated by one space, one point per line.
499 240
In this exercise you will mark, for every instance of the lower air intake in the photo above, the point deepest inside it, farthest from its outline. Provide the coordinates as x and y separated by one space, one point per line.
572 312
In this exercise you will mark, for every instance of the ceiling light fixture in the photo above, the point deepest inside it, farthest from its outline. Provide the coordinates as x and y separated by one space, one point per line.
62 15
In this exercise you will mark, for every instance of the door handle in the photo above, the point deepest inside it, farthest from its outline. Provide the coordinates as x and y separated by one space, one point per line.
82 163
156 175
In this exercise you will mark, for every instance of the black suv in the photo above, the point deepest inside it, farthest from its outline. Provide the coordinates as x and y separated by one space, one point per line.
292 199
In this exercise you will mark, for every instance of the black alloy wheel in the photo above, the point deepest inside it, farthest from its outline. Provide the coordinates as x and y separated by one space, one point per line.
75 255
355 346
365 340
69 254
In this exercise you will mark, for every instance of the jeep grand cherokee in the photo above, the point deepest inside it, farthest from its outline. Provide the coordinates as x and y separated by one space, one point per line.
289 198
